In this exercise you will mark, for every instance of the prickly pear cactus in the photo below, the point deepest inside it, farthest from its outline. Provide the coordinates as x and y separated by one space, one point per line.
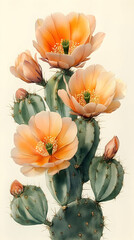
106 178
54 102
65 186
30 207
24 108
82 219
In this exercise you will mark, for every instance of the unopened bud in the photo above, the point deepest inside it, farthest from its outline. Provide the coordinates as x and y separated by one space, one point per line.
16 188
21 94
111 148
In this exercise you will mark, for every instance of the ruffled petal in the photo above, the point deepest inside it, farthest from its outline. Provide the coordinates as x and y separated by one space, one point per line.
49 123
67 133
67 152
76 84
57 168
79 27
113 106
31 171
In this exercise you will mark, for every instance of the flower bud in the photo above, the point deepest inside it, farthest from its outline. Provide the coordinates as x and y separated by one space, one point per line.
111 148
16 188
27 69
21 94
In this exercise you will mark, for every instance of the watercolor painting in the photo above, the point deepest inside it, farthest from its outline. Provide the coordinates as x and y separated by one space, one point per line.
67 134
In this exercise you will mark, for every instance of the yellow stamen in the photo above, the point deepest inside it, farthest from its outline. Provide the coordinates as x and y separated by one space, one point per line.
41 146
81 97
58 47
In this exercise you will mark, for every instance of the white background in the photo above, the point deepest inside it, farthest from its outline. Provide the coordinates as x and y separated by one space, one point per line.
116 19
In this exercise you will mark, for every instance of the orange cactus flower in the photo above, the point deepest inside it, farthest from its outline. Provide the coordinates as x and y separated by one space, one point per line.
47 143
111 148
66 41
27 68
92 91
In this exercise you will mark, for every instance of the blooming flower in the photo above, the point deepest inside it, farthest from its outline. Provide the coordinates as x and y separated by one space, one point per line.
47 143
111 148
16 188
92 91
27 68
66 41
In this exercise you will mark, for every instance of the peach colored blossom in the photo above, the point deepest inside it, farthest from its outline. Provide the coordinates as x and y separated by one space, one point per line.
48 142
21 94
111 148
76 29
16 188
92 91
27 68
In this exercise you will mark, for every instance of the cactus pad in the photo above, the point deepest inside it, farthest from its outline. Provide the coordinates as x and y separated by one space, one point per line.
80 220
106 178
30 208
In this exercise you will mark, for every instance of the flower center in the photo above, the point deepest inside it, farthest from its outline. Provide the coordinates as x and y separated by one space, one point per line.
65 47
47 146
86 96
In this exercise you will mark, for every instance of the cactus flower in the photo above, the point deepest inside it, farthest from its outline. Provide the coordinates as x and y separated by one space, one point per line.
66 41
21 94
111 148
48 142
92 91
16 188
27 68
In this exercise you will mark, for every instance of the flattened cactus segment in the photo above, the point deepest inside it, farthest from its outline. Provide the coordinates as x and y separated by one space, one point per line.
65 186
106 178
54 102
88 136
30 207
27 107
82 219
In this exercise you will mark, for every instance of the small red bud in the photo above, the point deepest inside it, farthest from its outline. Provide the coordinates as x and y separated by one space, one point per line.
111 148
16 188
21 94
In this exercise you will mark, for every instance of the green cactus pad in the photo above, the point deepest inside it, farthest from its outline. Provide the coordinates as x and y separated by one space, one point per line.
80 220
54 102
65 186
91 141
106 178
27 107
30 208
86 136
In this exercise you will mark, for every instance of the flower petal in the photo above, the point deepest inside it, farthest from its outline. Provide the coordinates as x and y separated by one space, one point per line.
120 89
49 123
57 168
113 106
67 133
79 27
91 74
81 52
67 152
31 171
96 41
76 84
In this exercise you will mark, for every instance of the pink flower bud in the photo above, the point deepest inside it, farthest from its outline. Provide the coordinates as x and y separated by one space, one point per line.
16 188
27 68
21 94
111 148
